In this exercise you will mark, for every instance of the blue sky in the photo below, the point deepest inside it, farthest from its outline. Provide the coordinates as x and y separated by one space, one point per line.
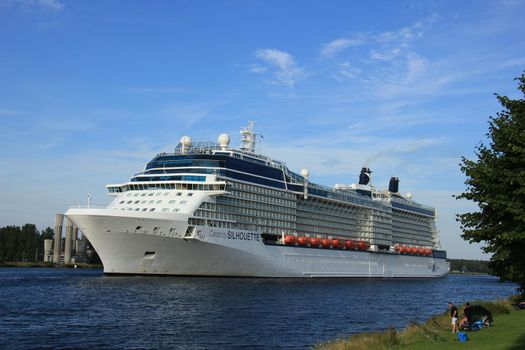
91 90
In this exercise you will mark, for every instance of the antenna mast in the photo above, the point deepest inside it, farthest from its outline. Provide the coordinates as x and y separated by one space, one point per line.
249 138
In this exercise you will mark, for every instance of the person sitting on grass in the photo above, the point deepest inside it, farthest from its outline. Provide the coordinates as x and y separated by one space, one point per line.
464 323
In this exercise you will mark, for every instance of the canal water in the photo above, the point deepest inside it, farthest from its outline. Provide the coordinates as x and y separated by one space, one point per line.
83 309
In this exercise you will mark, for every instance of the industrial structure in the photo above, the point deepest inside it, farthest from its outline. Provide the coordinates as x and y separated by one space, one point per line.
65 250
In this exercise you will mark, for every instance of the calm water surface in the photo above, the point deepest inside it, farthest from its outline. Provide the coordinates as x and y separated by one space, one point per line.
64 308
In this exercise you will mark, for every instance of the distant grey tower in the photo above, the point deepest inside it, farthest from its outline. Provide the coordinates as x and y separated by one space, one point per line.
59 222
48 250
67 244
75 239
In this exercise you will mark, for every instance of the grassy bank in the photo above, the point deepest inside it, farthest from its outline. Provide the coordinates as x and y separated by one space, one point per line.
507 332
48 265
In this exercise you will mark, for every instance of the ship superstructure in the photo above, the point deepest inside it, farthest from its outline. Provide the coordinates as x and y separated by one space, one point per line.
208 209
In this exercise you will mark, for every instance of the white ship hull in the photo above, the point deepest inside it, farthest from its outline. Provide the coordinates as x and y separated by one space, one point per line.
210 251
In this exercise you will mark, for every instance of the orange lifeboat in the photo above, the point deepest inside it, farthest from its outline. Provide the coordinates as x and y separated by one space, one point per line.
349 244
402 249
429 251
325 242
335 243
314 242
289 240
362 245
303 240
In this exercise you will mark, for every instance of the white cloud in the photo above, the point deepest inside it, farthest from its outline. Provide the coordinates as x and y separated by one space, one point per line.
11 113
385 55
286 70
346 70
338 45
257 68
54 5
188 115
388 56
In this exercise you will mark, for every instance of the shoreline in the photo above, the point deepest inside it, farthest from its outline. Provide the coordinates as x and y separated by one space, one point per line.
42 264
506 332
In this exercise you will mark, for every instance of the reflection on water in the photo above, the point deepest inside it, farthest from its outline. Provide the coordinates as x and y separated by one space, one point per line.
61 308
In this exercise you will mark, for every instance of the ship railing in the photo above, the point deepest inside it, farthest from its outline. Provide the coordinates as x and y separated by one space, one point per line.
87 206
208 147
355 198
411 202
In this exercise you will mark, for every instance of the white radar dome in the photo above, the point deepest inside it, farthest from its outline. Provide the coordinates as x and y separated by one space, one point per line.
305 173
185 140
408 195
224 140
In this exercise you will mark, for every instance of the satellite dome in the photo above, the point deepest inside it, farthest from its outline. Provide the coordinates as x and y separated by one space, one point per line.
224 140
408 195
305 173
185 140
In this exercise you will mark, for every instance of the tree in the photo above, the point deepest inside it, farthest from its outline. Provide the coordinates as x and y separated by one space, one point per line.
23 243
496 183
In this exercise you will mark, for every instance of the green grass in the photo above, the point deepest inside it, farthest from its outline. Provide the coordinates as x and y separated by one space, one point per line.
507 332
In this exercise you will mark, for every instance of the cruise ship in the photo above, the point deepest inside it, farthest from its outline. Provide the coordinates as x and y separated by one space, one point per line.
207 209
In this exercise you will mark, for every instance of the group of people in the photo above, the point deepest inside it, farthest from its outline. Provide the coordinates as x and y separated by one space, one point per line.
469 317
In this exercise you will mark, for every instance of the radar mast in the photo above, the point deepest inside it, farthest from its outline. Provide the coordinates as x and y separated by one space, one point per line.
249 137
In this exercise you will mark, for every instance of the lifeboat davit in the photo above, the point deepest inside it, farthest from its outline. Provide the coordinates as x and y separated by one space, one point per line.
314 242
289 240
325 242
362 245
335 243
303 240
397 248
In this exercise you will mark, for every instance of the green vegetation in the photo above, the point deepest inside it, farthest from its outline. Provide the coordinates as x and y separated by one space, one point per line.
507 332
26 245
496 183
469 266
23 243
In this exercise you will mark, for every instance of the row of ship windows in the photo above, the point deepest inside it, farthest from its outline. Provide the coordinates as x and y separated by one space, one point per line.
322 221
150 194
152 201
168 186
338 209
176 210
261 198
237 202
212 214
254 212
211 223
262 190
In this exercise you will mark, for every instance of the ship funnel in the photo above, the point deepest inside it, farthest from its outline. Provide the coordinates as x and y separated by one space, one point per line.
365 176
393 186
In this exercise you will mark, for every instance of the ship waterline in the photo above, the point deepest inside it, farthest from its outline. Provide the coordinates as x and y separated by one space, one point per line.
210 210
